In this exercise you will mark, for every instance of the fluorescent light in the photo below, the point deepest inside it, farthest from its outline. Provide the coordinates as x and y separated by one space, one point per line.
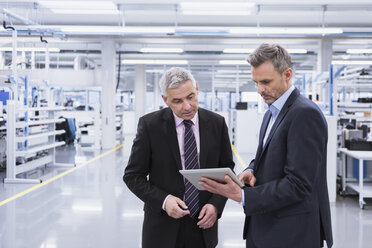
215 12
233 62
352 62
149 30
154 62
31 49
216 5
238 50
160 50
114 29
213 29
359 51
80 7
216 8
78 4
86 11
91 29
255 30
250 50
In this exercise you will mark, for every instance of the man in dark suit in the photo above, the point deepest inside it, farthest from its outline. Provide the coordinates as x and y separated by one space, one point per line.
182 136
286 199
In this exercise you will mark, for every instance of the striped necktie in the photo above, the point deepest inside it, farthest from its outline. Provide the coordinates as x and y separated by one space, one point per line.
191 162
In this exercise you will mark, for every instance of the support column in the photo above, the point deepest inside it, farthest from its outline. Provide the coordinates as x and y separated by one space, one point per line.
140 92
108 83
324 60
324 54
2 63
214 96
33 60
157 94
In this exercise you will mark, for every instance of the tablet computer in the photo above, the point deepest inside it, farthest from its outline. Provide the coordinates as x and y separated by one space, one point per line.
217 174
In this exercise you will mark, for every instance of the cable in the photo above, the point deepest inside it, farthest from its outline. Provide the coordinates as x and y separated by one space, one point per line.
42 40
8 27
119 69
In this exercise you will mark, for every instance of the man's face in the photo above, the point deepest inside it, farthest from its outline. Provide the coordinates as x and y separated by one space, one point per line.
270 83
183 100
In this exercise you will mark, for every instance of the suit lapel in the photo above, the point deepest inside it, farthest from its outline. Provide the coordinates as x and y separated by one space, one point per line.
203 132
279 119
170 132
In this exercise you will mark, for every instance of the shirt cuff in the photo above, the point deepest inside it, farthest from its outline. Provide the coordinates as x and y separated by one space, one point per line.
243 199
163 206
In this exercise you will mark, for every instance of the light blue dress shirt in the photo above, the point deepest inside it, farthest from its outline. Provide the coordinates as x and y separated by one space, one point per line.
275 109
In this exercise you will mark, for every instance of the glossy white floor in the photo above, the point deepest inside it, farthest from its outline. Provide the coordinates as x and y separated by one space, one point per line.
91 207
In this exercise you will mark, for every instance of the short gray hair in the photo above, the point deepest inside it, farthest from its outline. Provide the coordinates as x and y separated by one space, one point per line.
173 77
271 52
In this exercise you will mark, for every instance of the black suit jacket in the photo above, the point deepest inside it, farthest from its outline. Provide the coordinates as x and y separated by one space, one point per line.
155 153
289 206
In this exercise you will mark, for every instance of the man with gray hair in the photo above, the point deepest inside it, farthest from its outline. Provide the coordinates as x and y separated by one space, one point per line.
286 199
182 136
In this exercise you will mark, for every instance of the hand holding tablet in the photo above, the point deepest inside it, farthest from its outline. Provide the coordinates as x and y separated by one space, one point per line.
217 174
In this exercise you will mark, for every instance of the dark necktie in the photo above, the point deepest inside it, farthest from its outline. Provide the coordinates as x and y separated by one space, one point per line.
191 162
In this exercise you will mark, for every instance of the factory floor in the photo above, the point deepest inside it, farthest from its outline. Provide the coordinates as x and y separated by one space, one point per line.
90 206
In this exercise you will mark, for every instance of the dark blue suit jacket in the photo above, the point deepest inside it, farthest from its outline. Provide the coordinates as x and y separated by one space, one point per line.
289 205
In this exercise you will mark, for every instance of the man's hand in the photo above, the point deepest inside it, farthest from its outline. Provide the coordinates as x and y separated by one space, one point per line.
207 216
230 189
175 207
247 177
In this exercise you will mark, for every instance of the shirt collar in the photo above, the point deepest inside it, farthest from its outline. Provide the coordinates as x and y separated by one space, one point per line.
178 121
277 106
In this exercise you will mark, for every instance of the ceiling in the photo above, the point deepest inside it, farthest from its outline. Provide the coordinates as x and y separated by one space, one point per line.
202 37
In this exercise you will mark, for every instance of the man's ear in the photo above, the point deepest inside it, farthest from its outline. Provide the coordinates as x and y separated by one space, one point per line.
165 99
288 74
197 87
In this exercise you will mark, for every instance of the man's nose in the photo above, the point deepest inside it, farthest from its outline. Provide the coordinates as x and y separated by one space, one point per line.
186 105
260 89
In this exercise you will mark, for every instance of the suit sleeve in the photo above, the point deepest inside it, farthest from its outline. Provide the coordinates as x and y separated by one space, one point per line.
138 168
226 160
250 166
306 143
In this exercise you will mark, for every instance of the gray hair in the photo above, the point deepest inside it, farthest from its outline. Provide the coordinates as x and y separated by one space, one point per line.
271 52
173 77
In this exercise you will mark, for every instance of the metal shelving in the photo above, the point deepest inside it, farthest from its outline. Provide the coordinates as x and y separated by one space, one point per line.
354 83
18 148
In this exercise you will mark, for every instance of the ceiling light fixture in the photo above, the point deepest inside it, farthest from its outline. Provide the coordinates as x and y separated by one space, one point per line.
250 50
215 12
160 50
114 30
153 62
359 51
149 30
30 49
80 7
238 50
261 30
216 8
86 11
233 62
